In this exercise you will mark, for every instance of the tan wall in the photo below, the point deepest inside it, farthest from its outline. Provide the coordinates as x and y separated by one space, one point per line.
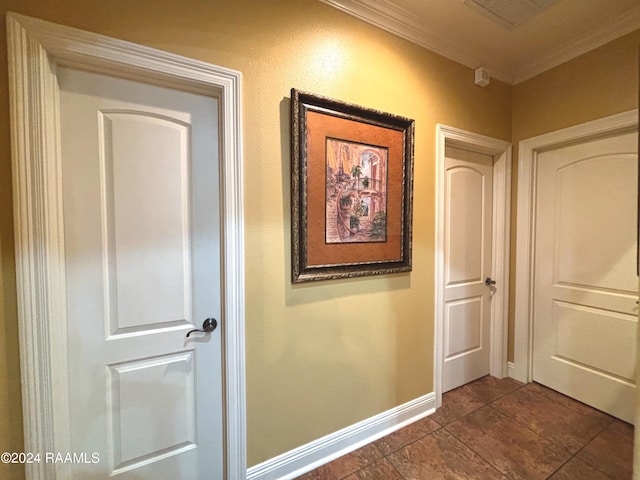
319 356
595 85
11 439
10 401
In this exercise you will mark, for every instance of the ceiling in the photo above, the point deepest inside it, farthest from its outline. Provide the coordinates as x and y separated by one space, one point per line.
556 32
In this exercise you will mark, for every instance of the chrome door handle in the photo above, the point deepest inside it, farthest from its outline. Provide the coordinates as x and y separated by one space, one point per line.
208 326
488 282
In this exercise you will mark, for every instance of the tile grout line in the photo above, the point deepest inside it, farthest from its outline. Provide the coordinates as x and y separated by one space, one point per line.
384 456
585 446
486 404
518 387
572 455
500 472
413 441
509 419
490 404
549 439
442 427
474 452
395 468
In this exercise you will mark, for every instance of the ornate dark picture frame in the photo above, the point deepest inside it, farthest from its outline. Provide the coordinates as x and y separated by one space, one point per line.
351 182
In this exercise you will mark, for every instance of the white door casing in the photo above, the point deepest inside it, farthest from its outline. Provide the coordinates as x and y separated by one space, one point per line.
528 158
585 312
500 239
468 194
36 48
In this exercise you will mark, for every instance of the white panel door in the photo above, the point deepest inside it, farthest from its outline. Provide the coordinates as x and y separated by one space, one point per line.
142 247
468 194
585 286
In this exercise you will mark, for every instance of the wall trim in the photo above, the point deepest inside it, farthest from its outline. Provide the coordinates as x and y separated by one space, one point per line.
525 244
394 19
305 458
35 49
501 152
591 40
400 22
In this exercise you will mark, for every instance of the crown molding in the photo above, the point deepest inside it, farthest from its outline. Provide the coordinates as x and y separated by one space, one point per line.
398 21
387 16
593 39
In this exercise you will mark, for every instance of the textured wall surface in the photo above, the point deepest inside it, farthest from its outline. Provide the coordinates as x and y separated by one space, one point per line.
320 356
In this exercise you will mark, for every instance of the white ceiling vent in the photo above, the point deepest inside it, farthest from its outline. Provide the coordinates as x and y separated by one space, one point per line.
510 13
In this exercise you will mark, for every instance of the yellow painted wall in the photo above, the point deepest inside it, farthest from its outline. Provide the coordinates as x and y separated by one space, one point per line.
11 438
10 400
320 356
597 84
325 355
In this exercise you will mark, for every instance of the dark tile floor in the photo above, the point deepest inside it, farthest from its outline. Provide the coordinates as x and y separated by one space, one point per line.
496 429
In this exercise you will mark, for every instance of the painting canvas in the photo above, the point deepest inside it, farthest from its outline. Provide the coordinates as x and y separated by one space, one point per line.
356 198
351 185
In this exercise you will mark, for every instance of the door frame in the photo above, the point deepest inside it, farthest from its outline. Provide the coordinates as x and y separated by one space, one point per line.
528 151
36 48
501 152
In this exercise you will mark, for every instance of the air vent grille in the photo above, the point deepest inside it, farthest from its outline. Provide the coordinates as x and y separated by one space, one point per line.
510 13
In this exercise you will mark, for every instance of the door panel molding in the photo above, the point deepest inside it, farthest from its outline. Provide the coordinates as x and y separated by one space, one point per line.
501 152
525 244
36 48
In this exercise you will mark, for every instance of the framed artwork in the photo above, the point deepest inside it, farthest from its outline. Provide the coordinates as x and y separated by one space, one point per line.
352 180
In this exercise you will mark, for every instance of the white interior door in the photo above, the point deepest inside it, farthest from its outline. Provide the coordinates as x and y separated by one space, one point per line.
142 247
468 193
585 286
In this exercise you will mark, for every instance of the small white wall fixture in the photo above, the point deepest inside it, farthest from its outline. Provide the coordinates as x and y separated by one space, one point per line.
36 48
528 151
501 152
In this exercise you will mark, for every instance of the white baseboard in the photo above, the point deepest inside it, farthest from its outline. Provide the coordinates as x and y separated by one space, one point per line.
512 372
305 458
